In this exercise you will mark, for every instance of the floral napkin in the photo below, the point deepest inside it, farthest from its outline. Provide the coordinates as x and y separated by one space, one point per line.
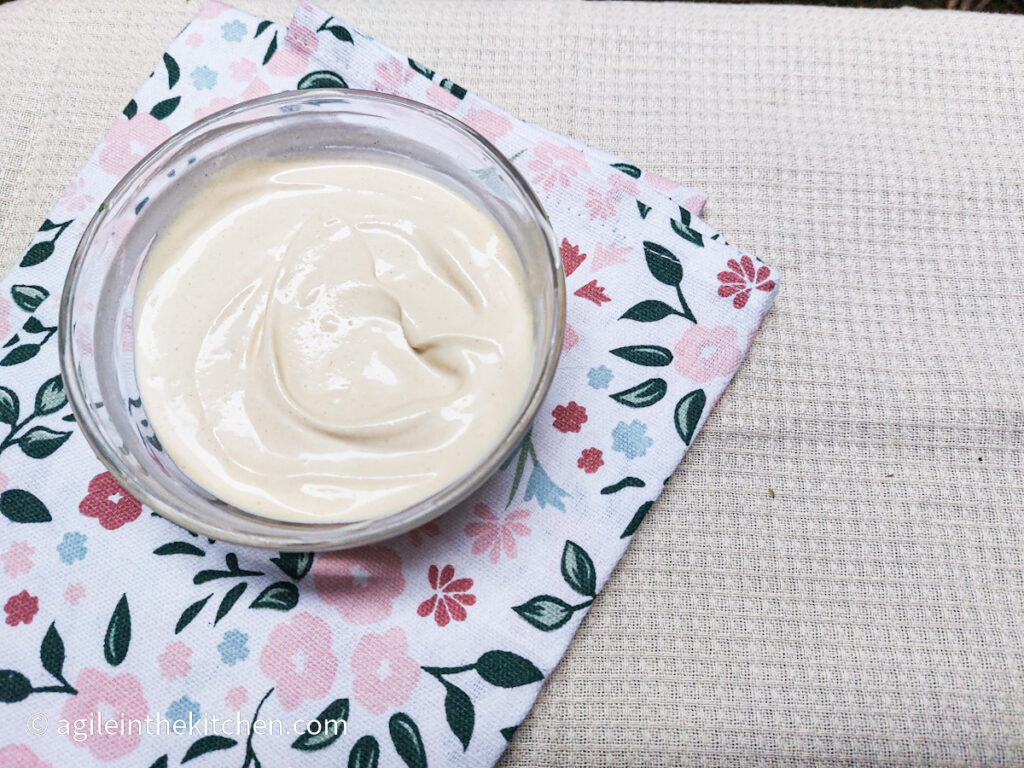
124 636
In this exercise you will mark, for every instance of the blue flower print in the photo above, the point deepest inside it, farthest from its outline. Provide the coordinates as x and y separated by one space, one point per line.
204 78
600 377
631 439
182 709
234 31
544 489
72 547
233 648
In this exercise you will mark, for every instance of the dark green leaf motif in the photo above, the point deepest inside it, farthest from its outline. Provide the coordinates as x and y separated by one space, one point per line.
50 397
509 732
20 354
323 78
160 762
458 709
37 254
28 297
262 27
229 600
165 108
663 264
51 652
505 669
119 633
40 442
644 354
20 506
9 406
684 230
425 71
626 482
325 729
130 109
406 738
545 612
578 569
271 50
207 744
626 168
294 564
14 686
637 519
688 412
643 208
649 311
280 596
173 71
190 613
179 548
642 395
365 753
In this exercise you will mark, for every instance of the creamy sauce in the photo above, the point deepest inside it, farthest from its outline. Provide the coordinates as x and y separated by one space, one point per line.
330 340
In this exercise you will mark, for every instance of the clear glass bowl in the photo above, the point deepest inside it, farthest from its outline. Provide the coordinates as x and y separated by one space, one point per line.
96 322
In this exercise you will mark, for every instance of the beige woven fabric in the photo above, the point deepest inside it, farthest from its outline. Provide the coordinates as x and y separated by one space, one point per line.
872 612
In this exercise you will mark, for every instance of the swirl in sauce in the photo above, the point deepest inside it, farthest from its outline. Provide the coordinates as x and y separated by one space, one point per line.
330 340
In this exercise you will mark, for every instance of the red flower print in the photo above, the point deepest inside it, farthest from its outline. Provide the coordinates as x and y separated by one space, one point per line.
109 503
593 292
493 533
569 418
741 279
21 608
590 460
450 595
571 257
427 529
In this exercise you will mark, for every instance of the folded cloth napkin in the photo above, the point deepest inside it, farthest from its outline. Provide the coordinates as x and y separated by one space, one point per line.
431 647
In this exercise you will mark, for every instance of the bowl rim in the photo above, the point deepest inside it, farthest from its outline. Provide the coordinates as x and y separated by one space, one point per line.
300 535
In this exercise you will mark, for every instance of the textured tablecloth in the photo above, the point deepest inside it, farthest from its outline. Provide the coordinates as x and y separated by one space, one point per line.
835 576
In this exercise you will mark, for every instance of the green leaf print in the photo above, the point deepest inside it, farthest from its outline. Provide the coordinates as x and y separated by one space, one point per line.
173 71
51 652
649 311
626 482
329 725
131 109
294 564
28 297
179 548
406 738
427 72
684 230
365 753
50 397
20 354
626 168
40 442
454 89
119 633
545 612
14 686
280 596
207 744
37 254
505 669
663 264
688 412
20 506
339 32
578 569
637 519
271 50
644 354
229 600
458 710
9 406
165 108
160 762
643 208
262 27
642 395
323 78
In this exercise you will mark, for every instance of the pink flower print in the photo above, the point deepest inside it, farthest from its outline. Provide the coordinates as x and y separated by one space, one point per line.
108 696
128 141
706 353
256 89
20 756
109 503
488 124
695 204
384 675
556 165
495 533
449 598
442 98
127 335
303 38
590 460
73 594
298 658
18 558
211 10
194 40
622 186
74 197
742 278
360 583
21 608
571 257
659 182
592 292
392 75
236 697
427 529
221 102
288 62
608 256
243 70
174 661
569 338
602 205
570 417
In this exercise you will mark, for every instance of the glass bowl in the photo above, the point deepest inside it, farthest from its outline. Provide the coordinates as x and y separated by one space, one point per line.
96 314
